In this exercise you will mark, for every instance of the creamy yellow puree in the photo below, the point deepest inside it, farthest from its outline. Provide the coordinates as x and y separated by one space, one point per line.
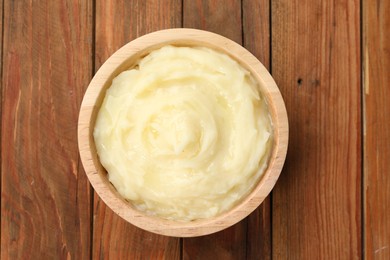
185 134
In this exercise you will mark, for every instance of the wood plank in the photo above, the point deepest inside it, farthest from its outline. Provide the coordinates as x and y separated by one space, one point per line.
116 24
316 63
1 77
256 38
219 16
223 17
45 201
1 42
376 54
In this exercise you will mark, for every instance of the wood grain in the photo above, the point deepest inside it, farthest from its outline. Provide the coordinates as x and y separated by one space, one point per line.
222 17
316 63
376 64
256 38
116 24
47 53
219 16
47 64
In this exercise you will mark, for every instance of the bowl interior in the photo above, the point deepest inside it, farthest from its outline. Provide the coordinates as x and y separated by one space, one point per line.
126 58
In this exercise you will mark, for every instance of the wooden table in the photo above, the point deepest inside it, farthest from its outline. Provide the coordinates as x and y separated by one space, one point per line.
331 60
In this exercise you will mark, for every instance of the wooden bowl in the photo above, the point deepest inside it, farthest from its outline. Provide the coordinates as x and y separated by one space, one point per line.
125 58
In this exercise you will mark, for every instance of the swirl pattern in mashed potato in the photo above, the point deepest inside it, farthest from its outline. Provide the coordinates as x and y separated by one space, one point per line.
185 135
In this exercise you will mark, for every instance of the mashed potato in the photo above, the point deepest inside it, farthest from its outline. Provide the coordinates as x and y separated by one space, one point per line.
184 135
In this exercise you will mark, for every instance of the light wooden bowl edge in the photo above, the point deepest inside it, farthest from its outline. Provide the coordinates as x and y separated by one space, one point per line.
158 225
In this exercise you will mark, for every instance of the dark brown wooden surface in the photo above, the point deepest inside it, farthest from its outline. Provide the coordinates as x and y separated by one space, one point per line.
332 200
45 199
316 63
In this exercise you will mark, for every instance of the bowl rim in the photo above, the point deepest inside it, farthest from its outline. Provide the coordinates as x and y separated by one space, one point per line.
135 50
